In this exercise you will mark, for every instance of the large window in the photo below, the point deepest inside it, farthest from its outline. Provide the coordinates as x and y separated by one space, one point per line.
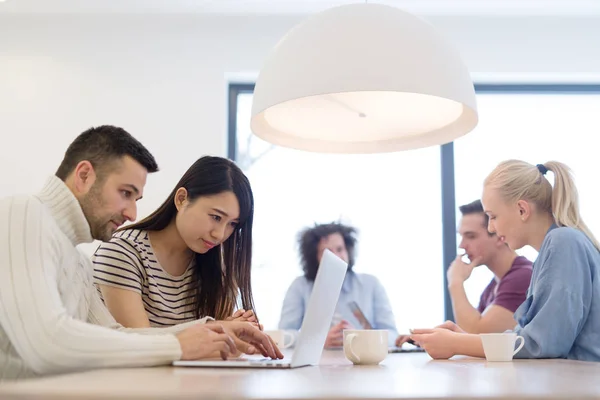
295 189
395 200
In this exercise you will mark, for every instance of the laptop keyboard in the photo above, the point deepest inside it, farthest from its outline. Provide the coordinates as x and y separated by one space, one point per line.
269 361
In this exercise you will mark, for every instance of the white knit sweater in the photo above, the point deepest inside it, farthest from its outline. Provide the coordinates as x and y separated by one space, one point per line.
51 317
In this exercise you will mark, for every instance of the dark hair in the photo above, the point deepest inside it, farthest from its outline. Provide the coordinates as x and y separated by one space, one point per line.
225 268
475 207
308 241
102 145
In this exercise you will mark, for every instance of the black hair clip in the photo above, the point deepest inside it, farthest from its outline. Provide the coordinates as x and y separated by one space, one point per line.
542 168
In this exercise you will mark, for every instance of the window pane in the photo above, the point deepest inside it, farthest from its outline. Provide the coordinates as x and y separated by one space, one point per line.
535 128
393 199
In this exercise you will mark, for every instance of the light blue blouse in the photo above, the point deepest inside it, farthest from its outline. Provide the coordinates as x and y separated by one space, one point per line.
561 316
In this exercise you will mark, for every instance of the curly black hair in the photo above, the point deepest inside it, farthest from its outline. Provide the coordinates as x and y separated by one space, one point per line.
308 243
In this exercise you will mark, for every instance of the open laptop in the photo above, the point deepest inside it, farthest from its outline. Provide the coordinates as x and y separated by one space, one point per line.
317 318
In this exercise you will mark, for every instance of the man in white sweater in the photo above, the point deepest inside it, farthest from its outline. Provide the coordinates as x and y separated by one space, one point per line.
51 317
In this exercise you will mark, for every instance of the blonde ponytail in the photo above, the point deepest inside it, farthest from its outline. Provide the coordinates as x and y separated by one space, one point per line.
565 200
516 180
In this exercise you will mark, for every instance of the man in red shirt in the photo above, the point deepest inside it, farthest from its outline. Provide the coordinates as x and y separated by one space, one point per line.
508 288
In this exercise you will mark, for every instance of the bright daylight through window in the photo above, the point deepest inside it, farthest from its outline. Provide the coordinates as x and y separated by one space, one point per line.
395 199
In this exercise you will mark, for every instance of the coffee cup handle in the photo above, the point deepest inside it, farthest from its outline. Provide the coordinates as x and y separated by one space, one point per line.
351 338
292 339
521 345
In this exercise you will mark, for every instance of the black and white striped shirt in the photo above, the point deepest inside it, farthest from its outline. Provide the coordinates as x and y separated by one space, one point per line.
128 262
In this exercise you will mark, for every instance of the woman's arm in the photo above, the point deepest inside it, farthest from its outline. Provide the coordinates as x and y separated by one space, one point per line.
442 343
118 272
126 306
99 315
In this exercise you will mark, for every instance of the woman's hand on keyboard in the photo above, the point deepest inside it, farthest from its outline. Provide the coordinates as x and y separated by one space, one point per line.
250 340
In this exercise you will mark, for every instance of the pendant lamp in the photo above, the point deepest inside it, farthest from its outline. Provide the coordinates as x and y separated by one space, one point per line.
363 78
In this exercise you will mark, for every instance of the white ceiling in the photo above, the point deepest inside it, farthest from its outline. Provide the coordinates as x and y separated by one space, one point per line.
248 7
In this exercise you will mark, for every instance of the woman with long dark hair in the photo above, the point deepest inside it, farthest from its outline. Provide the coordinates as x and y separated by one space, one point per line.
189 259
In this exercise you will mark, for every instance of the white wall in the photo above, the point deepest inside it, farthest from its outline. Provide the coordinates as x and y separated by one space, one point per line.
164 78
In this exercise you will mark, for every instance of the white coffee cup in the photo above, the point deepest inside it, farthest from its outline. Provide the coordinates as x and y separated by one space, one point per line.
283 339
366 347
500 346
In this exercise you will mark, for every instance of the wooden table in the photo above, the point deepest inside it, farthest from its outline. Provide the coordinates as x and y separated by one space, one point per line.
400 376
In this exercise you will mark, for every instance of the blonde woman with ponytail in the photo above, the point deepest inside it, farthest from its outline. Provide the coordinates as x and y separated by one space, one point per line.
561 316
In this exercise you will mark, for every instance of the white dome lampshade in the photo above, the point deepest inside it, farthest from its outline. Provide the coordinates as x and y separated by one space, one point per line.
363 78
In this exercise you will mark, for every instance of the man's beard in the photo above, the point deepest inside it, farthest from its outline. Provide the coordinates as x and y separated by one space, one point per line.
92 204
